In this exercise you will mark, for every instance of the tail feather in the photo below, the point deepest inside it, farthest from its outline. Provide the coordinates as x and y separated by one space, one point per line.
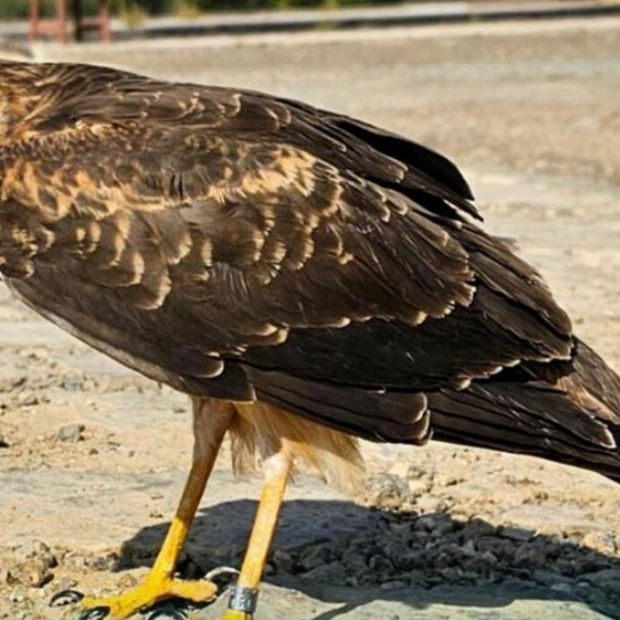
374 415
565 411
592 383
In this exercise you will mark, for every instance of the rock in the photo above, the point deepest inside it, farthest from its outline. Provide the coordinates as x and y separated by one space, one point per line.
548 578
400 529
188 568
380 564
566 566
37 575
426 523
71 432
30 565
128 581
332 572
419 538
393 585
354 562
563 587
428 504
394 550
400 469
283 561
469 548
418 487
16 598
36 550
444 526
317 556
516 533
65 583
602 542
528 555
477 528
102 562
387 491
27 399
447 480
602 576
451 573
481 563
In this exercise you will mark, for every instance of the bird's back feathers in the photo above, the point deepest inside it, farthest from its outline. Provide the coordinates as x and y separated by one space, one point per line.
240 246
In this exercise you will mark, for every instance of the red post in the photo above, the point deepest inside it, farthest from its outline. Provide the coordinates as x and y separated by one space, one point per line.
33 31
61 21
104 17
58 26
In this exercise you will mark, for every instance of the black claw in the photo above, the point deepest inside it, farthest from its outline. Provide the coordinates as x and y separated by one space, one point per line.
169 614
172 610
222 576
66 597
95 613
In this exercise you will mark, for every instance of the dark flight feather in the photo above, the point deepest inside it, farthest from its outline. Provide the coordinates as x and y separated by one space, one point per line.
245 247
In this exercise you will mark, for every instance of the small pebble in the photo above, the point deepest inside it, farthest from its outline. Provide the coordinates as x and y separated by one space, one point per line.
283 561
71 432
333 572
426 524
27 398
127 581
516 533
393 585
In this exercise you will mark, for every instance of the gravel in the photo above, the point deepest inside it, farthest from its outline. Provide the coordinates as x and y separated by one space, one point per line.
71 432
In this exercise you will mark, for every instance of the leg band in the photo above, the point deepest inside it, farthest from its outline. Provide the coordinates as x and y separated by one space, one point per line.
243 599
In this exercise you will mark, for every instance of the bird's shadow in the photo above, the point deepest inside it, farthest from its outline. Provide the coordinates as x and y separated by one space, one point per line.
340 552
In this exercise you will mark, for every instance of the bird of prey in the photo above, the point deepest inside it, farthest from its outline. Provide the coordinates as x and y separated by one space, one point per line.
305 277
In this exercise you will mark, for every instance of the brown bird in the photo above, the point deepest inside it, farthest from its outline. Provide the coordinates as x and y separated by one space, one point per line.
305 277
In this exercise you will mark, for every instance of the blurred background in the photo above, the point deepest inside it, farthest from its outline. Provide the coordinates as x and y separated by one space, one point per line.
148 17
525 98
12 9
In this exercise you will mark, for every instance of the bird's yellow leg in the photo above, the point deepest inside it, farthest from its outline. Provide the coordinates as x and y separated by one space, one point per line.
244 594
211 421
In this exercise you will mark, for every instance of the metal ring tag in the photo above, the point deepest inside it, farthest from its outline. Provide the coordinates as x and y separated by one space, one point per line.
243 599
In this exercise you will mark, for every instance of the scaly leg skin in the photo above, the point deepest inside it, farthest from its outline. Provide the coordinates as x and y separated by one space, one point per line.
244 595
159 584
211 421
155 588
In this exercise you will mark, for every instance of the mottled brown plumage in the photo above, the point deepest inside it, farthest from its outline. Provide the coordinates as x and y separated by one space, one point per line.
239 246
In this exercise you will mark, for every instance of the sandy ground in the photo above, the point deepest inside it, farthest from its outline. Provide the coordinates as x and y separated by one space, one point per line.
92 457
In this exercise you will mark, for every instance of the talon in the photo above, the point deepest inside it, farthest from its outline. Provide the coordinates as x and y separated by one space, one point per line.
66 597
169 613
221 570
222 576
146 596
95 613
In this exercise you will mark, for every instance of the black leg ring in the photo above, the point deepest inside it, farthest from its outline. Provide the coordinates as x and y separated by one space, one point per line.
243 599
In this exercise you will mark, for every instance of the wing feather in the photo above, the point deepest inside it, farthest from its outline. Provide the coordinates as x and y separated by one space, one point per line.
242 246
